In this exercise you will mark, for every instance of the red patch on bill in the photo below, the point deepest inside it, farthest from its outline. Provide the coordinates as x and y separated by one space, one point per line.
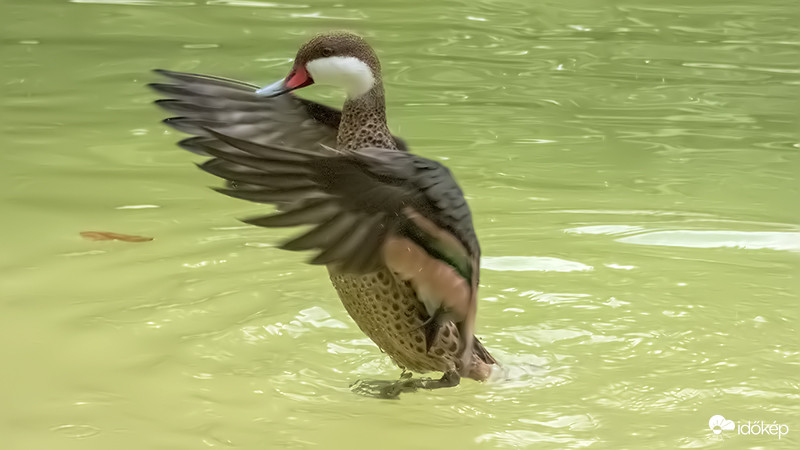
298 78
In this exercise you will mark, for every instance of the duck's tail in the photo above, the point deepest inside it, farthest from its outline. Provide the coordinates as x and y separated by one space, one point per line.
481 353
482 362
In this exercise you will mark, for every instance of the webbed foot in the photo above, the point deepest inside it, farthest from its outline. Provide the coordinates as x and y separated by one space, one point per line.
386 389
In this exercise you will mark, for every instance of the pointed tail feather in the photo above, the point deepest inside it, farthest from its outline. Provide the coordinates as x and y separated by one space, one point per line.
481 353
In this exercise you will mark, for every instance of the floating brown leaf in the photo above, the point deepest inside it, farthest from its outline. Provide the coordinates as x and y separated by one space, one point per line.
109 236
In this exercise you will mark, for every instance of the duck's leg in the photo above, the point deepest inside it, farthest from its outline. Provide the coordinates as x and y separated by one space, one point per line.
431 326
385 389
392 389
431 330
449 379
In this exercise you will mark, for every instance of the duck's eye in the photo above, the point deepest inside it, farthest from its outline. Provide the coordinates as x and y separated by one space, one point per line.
327 51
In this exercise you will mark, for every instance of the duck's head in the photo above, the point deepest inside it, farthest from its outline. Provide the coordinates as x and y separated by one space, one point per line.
339 59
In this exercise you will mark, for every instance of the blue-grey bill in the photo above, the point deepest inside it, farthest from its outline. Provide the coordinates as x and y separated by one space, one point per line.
273 90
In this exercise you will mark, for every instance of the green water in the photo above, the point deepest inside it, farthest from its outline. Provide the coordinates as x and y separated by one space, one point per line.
632 167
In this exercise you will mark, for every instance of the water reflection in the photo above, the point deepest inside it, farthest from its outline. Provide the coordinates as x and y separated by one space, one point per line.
632 174
751 240
532 263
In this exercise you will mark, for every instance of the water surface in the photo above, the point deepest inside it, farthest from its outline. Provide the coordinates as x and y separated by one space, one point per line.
631 165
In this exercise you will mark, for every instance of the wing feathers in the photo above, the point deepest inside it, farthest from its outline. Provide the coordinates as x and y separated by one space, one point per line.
367 257
353 200
344 247
271 151
277 181
209 79
322 235
278 150
313 211
271 196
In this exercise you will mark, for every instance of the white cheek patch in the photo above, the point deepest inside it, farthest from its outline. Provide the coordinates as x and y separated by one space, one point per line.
347 72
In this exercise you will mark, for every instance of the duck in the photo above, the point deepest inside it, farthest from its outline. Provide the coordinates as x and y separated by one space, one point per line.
393 228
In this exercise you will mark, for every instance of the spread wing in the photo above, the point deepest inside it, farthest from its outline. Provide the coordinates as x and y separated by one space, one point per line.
354 204
233 108
352 201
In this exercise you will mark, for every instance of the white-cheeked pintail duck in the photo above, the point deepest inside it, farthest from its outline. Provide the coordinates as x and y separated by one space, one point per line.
393 228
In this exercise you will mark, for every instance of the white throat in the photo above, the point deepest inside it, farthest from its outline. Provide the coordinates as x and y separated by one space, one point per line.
346 72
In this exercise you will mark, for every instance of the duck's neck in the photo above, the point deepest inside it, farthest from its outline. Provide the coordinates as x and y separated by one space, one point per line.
363 122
